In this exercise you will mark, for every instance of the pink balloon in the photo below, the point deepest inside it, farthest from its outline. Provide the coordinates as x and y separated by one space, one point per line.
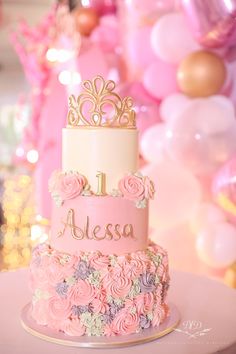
216 245
224 188
173 105
153 143
203 136
177 198
159 79
171 39
140 50
212 22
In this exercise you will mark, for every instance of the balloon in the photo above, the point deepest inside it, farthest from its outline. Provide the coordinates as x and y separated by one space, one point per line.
171 39
212 22
203 136
207 214
103 6
177 198
86 19
201 74
224 188
146 107
216 245
172 105
152 144
159 79
139 50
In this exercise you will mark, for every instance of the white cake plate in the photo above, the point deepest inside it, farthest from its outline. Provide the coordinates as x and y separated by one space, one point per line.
147 335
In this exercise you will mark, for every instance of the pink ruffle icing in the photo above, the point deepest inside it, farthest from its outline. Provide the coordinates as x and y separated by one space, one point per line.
95 294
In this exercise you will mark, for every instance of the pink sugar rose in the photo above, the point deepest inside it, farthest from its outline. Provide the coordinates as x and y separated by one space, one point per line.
132 187
149 188
82 293
73 327
99 261
125 322
144 302
158 315
117 285
59 308
71 185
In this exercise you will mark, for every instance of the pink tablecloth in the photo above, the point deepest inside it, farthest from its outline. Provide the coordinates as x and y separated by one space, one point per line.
206 306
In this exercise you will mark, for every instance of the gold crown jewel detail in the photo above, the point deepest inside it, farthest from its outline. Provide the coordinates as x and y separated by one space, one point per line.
99 106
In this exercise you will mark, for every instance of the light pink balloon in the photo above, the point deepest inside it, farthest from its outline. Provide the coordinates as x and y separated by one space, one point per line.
177 198
216 245
173 105
203 136
207 214
171 38
140 50
152 144
159 79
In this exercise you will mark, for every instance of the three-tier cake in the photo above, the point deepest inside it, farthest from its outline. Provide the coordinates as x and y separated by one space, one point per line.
99 275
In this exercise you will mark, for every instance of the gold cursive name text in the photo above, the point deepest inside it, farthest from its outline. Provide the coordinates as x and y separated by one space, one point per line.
110 231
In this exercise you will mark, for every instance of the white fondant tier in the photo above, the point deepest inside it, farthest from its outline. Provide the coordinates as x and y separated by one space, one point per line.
108 150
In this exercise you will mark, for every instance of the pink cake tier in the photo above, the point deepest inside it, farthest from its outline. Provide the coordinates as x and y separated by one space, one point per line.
90 293
84 221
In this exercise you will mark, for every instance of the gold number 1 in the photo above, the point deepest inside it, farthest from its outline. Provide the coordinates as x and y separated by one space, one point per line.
101 183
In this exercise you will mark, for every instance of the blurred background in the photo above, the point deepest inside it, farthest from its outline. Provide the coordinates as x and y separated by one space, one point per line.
177 59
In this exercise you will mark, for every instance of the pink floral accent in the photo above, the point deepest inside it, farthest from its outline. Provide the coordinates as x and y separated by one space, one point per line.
59 308
82 293
99 261
137 188
73 327
71 185
132 187
149 188
117 285
100 305
144 302
66 185
125 322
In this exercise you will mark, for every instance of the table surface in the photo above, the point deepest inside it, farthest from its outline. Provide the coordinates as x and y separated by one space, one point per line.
206 306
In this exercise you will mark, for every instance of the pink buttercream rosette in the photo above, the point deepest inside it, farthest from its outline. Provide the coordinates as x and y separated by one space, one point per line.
137 188
64 186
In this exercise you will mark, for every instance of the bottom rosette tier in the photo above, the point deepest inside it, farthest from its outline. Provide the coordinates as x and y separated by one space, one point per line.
89 293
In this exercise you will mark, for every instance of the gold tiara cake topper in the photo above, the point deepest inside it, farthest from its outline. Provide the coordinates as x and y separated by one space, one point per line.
99 106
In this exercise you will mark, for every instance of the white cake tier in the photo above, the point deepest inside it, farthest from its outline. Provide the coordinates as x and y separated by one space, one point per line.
108 150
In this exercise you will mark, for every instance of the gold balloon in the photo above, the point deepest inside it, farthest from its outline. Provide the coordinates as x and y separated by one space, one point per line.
230 276
201 74
86 19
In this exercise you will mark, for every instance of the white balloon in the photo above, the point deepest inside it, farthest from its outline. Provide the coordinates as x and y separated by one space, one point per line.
203 135
171 38
173 105
152 144
216 245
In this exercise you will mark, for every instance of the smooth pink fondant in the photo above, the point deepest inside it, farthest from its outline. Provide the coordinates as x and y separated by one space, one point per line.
100 211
